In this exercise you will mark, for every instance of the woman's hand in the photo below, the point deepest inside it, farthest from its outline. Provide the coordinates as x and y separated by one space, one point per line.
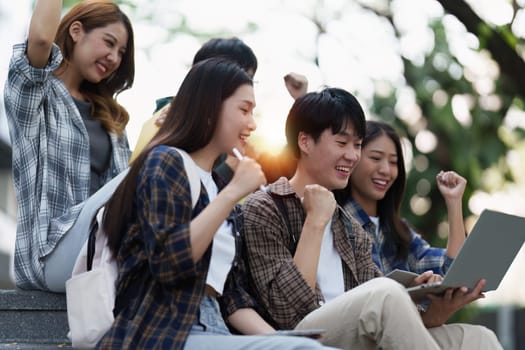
426 277
248 176
451 185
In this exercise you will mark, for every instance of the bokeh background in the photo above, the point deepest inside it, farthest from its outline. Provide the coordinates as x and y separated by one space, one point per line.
448 74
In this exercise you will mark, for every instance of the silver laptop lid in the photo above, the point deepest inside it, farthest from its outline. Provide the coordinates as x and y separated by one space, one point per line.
488 251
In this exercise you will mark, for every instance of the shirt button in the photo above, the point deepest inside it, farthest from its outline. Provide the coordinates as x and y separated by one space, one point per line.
321 303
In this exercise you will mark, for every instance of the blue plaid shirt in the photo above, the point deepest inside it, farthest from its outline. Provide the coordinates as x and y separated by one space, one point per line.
421 256
51 161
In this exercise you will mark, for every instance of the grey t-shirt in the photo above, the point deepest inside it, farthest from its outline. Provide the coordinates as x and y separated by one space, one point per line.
99 145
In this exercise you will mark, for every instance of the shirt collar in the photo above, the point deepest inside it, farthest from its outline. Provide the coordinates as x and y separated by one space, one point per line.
360 215
282 187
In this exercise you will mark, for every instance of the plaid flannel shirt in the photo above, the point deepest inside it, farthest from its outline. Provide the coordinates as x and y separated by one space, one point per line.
421 256
51 161
280 286
160 287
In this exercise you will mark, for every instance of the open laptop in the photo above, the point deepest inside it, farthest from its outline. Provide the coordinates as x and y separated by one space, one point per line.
487 253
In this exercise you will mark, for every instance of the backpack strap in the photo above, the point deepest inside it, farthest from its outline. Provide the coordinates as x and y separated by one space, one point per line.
93 228
193 176
100 197
195 189
279 202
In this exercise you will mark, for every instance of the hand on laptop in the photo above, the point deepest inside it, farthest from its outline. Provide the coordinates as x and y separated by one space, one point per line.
442 307
426 277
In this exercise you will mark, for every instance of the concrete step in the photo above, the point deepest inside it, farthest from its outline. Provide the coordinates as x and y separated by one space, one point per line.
33 320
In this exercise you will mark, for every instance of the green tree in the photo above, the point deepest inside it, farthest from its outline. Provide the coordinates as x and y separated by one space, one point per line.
472 147
475 146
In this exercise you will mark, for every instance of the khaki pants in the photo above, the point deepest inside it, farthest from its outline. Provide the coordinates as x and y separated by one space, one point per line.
379 314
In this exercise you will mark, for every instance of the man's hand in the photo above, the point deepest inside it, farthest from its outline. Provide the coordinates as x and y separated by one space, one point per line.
443 307
296 84
319 204
161 115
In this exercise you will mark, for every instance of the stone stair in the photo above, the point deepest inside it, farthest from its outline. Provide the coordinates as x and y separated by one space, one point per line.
33 320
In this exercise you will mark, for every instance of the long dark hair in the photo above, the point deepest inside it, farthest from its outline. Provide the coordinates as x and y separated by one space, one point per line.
396 231
190 124
95 14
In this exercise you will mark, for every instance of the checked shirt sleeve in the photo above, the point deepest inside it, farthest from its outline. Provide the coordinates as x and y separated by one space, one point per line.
280 286
423 257
165 212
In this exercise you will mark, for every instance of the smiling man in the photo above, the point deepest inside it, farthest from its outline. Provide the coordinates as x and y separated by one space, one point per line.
311 263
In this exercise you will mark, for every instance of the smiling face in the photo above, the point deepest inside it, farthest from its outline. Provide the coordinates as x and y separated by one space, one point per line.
330 161
235 120
98 53
375 173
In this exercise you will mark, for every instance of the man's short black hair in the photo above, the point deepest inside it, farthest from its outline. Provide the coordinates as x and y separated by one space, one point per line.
315 112
231 48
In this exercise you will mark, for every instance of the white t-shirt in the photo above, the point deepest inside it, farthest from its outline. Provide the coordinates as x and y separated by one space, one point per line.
223 250
330 269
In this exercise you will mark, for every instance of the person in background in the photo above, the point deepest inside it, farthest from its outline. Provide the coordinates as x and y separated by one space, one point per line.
174 260
374 194
66 128
274 166
233 49
311 263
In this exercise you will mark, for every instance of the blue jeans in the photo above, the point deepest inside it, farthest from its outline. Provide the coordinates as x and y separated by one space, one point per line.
210 332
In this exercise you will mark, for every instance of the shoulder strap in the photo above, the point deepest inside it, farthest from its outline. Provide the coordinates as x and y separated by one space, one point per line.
193 176
98 200
278 200
110 187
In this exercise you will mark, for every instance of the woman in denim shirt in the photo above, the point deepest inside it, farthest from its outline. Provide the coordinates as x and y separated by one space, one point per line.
374 194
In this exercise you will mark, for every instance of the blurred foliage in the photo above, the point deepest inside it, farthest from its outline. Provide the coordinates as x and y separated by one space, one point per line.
470 150
466 149
150 14
471 147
